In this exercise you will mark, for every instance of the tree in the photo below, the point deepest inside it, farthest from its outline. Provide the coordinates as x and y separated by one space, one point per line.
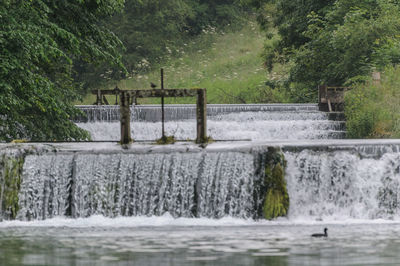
331 42
39 42
351 40
152 29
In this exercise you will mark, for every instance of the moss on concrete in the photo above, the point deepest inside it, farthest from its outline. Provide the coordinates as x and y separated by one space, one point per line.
166 140
10 181
19 141
276 202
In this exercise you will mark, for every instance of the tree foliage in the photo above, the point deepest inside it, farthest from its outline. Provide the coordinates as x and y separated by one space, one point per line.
53 51
351 40
333 42
39 42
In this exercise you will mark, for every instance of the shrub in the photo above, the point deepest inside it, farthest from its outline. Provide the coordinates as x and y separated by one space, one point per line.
372 109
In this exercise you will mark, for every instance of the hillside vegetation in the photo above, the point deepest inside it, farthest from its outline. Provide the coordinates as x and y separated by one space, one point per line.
338 43
54 52
225 62
372 110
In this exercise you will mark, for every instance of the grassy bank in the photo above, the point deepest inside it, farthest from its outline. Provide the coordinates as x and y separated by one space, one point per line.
372 110
227 63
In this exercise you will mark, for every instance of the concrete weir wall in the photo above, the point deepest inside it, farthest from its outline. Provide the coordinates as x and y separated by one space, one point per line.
321 179
40 181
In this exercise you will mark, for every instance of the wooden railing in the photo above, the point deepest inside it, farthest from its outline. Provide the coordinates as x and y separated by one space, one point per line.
331 98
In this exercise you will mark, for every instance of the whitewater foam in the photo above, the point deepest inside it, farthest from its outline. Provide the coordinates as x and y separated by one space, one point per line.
166 220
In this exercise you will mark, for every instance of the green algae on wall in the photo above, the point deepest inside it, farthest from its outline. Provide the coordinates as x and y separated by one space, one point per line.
10 180
276 202
166 140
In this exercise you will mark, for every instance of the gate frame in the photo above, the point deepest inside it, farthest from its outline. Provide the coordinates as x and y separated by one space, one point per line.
127 97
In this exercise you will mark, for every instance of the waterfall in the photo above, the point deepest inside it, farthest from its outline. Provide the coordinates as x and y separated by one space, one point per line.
334 181
325 182
175 112
344 184
182 184
222 130
326 179
224 122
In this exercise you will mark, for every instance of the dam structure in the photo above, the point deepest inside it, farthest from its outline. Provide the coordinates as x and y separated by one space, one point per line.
327 177
103 203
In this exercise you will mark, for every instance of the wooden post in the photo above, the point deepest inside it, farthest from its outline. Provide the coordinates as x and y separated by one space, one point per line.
201 113
125 117
116 92
329 105
376 78
98 97
162 105
322 97
105 100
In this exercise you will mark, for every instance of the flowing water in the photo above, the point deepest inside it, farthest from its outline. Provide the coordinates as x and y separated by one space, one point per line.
224 122
99 204
184 185
168 241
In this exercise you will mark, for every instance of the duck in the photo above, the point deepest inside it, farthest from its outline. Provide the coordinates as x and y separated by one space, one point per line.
325 234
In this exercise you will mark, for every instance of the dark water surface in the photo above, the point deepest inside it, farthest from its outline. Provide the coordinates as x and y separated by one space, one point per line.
263 244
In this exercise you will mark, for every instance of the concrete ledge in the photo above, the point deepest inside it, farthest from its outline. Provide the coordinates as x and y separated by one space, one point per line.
181 147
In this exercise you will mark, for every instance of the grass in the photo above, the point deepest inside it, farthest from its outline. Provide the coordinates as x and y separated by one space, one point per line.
227 63
372 110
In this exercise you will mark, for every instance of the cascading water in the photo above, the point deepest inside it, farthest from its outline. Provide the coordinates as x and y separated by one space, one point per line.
326 181
224 122
343 184
329 184
182 184
175 112
334 181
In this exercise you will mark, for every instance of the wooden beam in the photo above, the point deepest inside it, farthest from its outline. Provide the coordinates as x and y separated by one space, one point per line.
329 105
154 93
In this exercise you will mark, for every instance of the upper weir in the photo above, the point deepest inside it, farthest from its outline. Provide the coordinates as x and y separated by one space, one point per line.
255 122
176 112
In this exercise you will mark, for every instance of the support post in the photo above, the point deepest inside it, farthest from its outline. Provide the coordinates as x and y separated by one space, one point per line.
322 97
376 78
105 100
125 117
201 113
162 106
116 92
98 97
329 105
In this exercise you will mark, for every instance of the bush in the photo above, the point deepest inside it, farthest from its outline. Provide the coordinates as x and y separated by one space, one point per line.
372 109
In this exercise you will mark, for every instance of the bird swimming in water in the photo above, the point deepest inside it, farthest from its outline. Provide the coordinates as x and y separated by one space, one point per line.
153 85
325 234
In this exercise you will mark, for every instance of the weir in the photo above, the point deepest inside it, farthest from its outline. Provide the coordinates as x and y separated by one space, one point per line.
326 180
184 181
224 122
176 112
